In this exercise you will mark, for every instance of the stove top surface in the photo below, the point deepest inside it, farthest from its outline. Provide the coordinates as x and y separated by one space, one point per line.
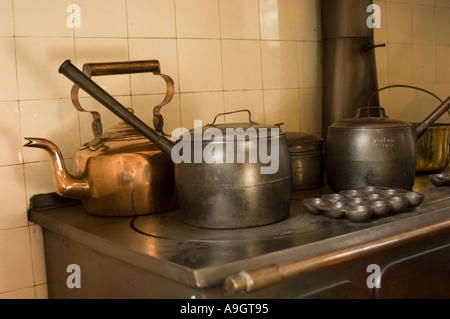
164 243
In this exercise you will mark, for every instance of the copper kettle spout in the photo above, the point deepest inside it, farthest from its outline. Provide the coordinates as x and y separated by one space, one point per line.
66 185
423 126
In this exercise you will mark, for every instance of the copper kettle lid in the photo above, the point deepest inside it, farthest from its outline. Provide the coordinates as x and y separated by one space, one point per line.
121 132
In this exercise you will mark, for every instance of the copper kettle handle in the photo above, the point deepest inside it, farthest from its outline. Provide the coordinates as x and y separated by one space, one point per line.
127 67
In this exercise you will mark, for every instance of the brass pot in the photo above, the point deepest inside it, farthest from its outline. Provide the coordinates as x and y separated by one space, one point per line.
433 148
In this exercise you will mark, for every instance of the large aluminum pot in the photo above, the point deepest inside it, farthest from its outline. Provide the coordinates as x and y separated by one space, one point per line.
433 148
219 193
372 149
233 193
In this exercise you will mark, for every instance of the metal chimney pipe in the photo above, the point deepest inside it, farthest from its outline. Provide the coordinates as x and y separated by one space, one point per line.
349 67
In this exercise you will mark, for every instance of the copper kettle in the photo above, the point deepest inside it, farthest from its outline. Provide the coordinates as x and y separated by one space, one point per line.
119 172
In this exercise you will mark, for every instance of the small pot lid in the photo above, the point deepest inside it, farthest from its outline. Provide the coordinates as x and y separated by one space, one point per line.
302 142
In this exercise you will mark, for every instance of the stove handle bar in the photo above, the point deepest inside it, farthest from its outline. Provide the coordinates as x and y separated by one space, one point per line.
252 280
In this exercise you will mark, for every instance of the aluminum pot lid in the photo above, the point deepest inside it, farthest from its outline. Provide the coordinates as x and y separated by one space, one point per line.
297 141
234 131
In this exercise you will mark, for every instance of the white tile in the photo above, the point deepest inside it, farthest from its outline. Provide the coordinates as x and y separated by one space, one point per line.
39 179
308 20
10 137
200 67
12 197
37 254
102 18
399 1
24 293
442 3
399 22
442 25
163 50
8 79
197 18
280 65
401 104
283 106
423 24
94 50
202 106
423 2
311 110
143 108
15 265
41 291
55 120
278 19
241 64
151 18
381 60
252 100
380 34
443 90
424 63
6 18
41 18
400 63
383 95
309 64
425 103
443 63
239 19
38 60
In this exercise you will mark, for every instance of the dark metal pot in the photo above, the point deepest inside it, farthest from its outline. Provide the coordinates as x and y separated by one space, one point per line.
218 194
307 160
372 149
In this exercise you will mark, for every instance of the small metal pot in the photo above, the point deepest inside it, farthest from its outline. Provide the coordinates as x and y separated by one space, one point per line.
307 160
433 148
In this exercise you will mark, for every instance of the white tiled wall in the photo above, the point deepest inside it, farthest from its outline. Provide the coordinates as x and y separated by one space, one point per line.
417 34
264 55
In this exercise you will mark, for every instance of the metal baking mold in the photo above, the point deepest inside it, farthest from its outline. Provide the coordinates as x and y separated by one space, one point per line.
359 205
441 179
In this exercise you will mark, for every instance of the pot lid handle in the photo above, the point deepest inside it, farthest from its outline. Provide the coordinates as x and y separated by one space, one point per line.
127 67
232 112
370 111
